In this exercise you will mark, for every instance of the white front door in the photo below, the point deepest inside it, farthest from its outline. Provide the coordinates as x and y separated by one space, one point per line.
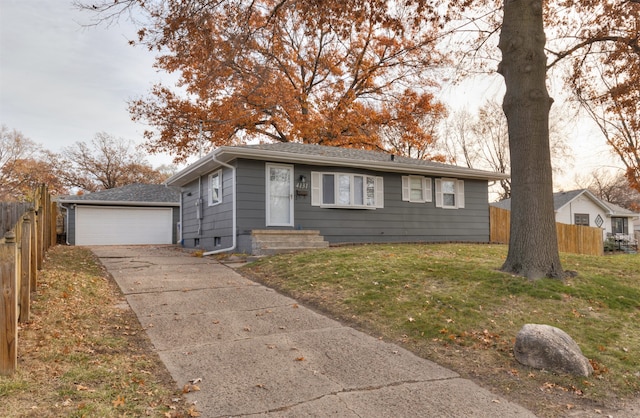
279 195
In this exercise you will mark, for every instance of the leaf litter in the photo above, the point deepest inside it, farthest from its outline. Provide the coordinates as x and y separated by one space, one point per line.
83 353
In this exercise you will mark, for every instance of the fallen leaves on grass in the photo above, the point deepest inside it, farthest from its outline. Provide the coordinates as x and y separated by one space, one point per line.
598 369
118 402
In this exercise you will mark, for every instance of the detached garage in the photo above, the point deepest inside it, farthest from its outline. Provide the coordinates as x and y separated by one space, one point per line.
128 215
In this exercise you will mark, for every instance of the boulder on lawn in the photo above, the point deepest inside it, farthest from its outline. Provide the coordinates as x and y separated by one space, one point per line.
550 348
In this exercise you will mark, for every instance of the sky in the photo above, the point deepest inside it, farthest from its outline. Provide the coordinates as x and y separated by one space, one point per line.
62 82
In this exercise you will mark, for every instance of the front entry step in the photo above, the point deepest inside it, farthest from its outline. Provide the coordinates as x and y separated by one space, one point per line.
272 241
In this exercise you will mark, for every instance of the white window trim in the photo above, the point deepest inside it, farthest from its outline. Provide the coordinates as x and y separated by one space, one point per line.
459 195
426 189
316 190
211 176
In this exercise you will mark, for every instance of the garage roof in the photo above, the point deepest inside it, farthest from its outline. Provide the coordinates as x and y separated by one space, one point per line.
130 195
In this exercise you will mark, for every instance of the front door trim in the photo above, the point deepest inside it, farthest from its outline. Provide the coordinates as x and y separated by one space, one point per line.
279 200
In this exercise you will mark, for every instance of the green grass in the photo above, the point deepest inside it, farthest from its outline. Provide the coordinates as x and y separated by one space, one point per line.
9 387
451 303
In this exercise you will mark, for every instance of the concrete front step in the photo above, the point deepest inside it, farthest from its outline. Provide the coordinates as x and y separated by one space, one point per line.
293 244
270 241
288 238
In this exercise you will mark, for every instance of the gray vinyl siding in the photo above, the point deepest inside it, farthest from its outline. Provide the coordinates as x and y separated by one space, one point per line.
251 193
397 221
216 222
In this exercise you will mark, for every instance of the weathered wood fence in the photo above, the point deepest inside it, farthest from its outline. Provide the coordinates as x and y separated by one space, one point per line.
28 230
571 238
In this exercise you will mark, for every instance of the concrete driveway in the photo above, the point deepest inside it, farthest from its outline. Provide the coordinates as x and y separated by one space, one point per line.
256 352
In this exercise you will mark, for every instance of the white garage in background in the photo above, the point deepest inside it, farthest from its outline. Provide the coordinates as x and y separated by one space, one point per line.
129 215
96 225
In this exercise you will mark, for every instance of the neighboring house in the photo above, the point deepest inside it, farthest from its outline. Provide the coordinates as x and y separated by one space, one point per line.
581 207
236 194
132 214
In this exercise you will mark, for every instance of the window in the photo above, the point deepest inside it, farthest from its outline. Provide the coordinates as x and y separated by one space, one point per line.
581 219
215 188
346 190
449 193
619 226
416 189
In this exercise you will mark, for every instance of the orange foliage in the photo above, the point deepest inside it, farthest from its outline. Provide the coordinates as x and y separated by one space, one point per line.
606 75
37 171
334 72
24 165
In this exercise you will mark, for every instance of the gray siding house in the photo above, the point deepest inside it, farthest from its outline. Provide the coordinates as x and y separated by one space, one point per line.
237 198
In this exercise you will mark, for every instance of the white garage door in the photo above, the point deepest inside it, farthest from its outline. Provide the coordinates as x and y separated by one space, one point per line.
122 225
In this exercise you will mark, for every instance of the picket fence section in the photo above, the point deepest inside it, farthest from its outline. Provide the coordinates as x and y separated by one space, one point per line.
28 230
574 239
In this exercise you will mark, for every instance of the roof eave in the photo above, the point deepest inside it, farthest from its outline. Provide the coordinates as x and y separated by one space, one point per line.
116 203
599 202
374 165
593 198
225 154
195 170
633 216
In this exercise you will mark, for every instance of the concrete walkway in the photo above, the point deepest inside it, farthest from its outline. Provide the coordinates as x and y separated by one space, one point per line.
260 353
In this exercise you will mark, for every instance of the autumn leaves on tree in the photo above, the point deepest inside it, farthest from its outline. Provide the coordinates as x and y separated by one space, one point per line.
342 73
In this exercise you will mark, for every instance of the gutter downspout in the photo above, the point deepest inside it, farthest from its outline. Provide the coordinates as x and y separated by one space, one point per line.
233 209
199 208
179 238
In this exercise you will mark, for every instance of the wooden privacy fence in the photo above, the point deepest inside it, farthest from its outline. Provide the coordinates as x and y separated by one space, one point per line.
28 230
571 238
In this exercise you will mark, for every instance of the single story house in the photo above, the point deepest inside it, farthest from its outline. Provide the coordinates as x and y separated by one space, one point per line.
132 214
245 198
581 207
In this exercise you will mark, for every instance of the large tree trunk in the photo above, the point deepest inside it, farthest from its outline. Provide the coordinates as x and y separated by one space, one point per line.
533 246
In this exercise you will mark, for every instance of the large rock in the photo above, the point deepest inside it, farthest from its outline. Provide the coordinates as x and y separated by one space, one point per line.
550 348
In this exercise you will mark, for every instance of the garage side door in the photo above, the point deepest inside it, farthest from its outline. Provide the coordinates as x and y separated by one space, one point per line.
123 225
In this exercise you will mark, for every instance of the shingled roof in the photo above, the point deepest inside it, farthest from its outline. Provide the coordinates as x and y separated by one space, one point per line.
342 153
561 199
320 155
147 194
